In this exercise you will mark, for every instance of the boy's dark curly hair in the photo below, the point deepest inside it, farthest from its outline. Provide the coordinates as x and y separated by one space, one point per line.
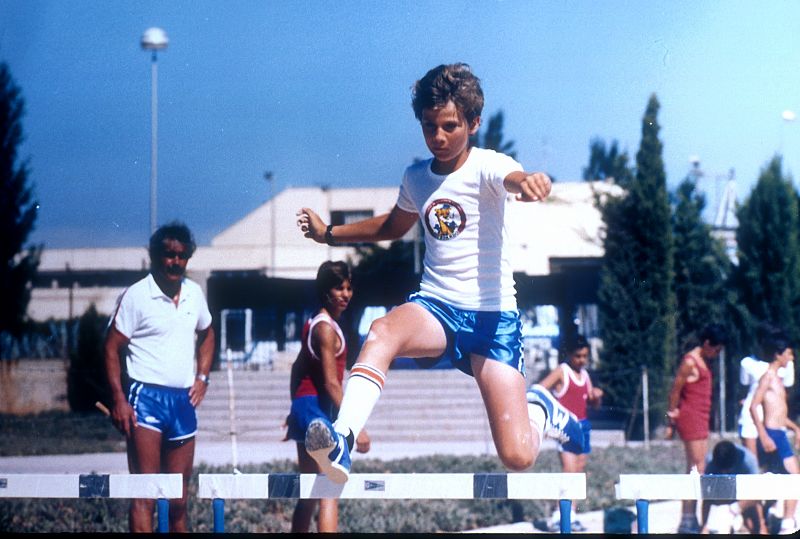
453 82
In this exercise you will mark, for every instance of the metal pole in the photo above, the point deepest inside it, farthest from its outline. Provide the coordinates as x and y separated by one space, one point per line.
269 177
722 417
163 515
642 516
154 144
232 414
645 409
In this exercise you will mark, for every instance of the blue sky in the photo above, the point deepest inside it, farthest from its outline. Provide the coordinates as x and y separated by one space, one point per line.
319 94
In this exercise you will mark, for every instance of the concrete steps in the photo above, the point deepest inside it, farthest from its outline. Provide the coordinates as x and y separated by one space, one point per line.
418 406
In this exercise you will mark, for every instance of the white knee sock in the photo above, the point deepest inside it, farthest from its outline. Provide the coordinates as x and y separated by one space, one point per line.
537 417
364 386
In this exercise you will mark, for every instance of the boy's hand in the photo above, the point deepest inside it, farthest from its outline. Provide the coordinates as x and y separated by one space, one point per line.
534 187
311 225
363 442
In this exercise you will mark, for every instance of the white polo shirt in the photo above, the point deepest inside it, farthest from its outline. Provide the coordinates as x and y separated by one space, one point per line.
467 262
161 334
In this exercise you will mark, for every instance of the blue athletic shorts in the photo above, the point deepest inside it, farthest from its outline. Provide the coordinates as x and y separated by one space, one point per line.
586 427
773 461
304 410
167 410
496 335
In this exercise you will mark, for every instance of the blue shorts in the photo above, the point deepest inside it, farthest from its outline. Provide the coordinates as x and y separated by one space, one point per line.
167 410
586 427
495 335
304 410
773 461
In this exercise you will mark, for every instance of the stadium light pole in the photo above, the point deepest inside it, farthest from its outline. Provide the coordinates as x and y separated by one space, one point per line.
270 178
154 39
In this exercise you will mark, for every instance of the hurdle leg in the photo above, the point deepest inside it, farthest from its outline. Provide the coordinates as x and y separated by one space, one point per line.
163 515
219 515
565 509
642 507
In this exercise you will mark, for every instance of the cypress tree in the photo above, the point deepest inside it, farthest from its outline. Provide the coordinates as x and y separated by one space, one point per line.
636 300
768 277
17 212
701 266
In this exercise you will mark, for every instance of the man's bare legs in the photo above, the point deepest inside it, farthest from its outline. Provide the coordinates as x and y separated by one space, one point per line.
695 457
145 457
328 518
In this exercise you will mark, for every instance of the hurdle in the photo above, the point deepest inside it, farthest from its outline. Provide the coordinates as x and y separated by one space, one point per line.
161 487
646 487
564 487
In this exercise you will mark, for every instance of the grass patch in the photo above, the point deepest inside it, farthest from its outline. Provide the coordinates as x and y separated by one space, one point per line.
56 433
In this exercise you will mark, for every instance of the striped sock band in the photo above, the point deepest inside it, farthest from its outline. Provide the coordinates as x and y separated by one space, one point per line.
363 389
370 373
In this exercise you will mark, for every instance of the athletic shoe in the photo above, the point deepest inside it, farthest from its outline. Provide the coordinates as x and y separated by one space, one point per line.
560 423
689 524
577 526
329 449
541 524
788 526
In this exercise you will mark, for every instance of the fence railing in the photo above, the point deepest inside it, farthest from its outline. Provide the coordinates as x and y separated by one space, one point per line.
161 487
564 487
647 487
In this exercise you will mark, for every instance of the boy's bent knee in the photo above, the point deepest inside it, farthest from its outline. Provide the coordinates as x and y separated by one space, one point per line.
517 462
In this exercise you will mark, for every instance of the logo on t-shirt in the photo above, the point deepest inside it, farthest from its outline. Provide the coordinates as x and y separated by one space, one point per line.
445 219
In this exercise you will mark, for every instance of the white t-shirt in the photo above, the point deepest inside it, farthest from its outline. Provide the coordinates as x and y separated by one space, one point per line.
161 348
750 372
466 254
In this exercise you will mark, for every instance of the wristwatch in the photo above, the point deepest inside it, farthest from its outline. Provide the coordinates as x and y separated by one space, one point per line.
329 235
202 378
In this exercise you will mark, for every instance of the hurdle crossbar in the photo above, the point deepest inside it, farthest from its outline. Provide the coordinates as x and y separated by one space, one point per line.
646 487
456 486
161 487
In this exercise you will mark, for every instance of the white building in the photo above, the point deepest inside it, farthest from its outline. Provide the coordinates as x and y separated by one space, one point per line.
564 229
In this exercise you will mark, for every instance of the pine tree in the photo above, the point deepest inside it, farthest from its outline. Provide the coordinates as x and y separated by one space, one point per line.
636 301
768 277
493 136
17 212
607 163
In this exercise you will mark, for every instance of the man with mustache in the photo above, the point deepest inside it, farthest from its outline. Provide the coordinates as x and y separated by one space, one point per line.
162 328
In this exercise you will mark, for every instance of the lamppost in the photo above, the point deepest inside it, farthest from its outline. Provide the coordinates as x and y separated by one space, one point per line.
154 39
787 116
270 178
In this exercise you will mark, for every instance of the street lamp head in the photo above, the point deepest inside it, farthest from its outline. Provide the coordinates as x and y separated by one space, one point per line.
788 115
154 39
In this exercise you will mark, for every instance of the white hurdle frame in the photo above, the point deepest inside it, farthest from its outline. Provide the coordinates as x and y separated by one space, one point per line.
646 487
564 487
161 487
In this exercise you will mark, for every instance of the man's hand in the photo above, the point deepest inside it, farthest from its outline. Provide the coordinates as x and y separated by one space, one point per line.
311 225
123 417
197 392
534 187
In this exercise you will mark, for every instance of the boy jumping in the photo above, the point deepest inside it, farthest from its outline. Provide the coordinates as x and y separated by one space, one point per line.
466 308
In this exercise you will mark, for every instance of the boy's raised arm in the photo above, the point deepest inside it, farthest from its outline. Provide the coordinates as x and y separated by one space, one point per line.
389 226
528 186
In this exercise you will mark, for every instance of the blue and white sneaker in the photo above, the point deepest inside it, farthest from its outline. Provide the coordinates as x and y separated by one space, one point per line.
560 424
329 449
